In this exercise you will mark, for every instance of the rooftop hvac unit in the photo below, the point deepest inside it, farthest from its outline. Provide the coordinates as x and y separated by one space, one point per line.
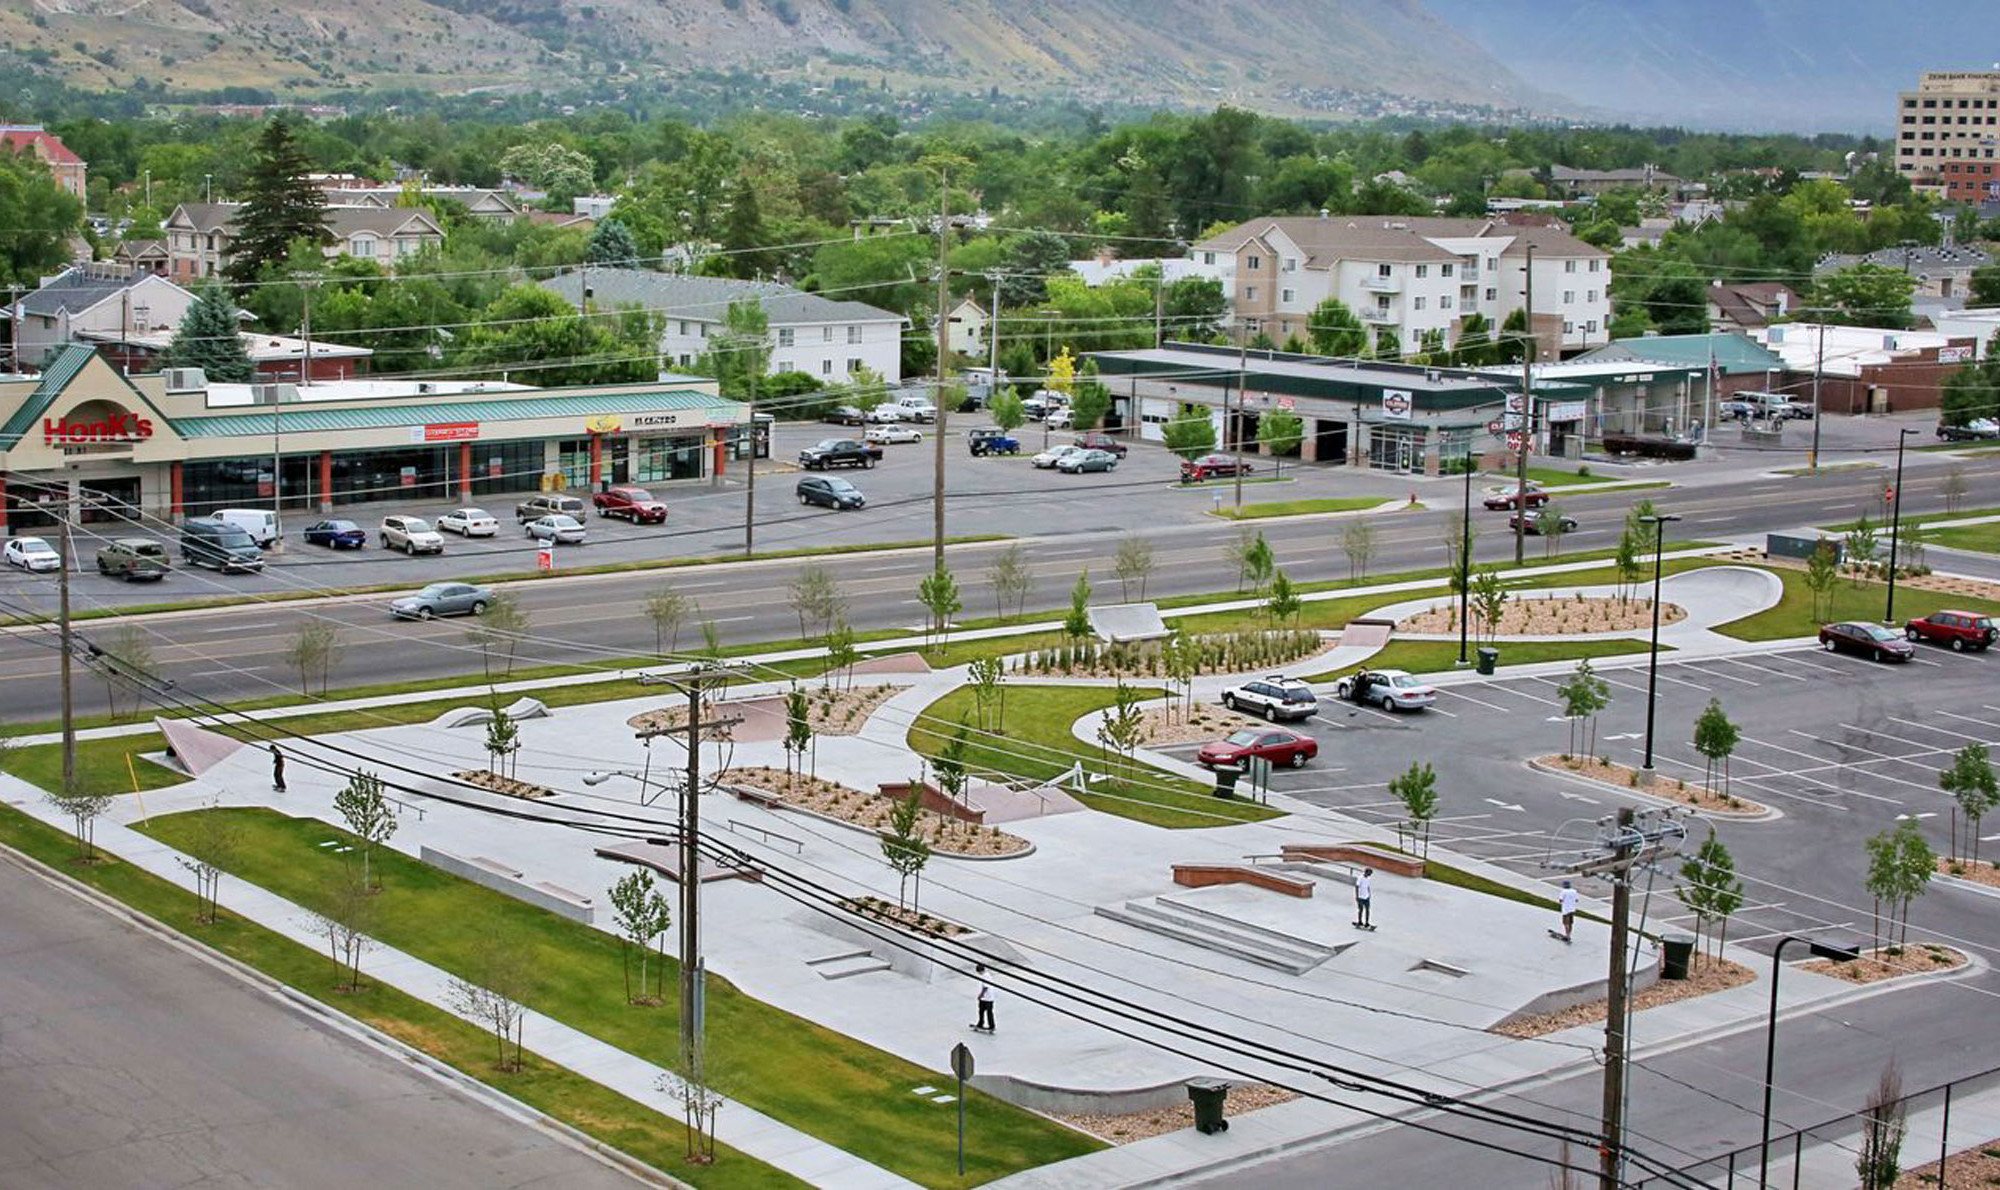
274 394
186 380
425 388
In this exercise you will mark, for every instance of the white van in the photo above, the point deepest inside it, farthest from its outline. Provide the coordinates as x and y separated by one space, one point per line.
260 523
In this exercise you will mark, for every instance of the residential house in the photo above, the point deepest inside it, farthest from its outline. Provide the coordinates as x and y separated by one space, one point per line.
829 340
1411 276
199 235
486 205
966 327
101 297
1865 369
593 206
1747 305
1574 182
1943 271
64 165
144 255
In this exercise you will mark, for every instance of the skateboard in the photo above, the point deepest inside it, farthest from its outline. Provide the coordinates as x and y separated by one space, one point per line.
1558 936
977 1029
1360 925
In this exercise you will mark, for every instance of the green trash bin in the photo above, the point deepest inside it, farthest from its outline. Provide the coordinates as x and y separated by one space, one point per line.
1676 954
1226 779
1208 1095
1489 658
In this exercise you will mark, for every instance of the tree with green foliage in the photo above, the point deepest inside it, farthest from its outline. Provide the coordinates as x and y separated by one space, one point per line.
1255 561
640 914
281 205
1181 657
1191 433
1474 348
1553 525
798 730
1489 600
208 338
1512 344
535 334
1387 346
1332 329
1132 563
1357 541
83 806
1972 391
1416 789
1822 572
938 592
1884 1123
1866 294
1076 625
611 243
1009 411
1120 728
1984 286
1860 542
1974 792
503 742
949 765
368 815
1711 891
1715 737
39 217
816 599
1583 696
841 655
1625 561
1012 576
666 609
1090 401
1283 603
1192 309
313 650
741 351
986 676
903 846
554 168
1280 432
499 633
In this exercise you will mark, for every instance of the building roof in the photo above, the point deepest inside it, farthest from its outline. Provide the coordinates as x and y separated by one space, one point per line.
30 136
369 417
382 221
261 348
1734 354
137 248
204 216
1280 374
1642 174
1918 258
707 299
1844 350
80 287
1328 238
1752 303
56 376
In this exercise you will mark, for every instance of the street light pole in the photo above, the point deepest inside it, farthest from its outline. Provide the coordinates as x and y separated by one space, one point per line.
1465 561
1895 524
1659 522
1820 950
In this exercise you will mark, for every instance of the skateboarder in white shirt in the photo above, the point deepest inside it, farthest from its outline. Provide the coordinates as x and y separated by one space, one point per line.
985 1022
1363 892
1566 903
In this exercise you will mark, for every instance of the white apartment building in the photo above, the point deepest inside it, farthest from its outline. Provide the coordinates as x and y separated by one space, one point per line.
829 340
1953 115
1411 276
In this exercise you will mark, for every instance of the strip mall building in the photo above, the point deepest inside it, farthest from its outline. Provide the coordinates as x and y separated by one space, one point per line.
173 445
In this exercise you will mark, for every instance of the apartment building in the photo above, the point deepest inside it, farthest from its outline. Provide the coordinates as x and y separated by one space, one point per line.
46 147
199 235
1411 276
1952 117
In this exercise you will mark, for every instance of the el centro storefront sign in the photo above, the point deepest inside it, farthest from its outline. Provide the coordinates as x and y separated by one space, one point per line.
113 427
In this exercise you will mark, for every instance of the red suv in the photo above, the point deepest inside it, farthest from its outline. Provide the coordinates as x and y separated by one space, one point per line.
1212 467
634 504
1099 440
1960 630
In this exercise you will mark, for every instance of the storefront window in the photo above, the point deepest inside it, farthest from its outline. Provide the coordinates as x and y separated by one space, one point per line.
508 466
246 483
573 460
658 459
1395 448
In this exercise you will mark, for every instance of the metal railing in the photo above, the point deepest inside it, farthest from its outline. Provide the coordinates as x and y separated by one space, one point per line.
1824 1154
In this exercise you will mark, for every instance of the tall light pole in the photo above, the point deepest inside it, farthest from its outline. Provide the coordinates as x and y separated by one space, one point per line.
1819 361
1895 523
1527 428
1820 950
1465 560
1659 523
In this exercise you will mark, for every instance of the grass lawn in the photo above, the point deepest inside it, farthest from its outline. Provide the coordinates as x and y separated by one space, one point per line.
100 764
1039 746
1914 521
1983 538
1439 656
1553 477
1826 468
817 1080
1864 601
559 1093
1251 512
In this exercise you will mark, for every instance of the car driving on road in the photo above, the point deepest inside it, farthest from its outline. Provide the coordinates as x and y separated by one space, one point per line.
443 599
1389 689
1278 745
1510 496
1537 522
558 528
1868 640
469 522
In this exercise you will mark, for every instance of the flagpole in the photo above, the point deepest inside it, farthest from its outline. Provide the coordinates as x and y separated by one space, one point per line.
1708 414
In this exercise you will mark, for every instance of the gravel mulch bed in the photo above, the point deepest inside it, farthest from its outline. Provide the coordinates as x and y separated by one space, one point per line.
1552 615
913 918
1983 872
1976 1168
831 712
1172 725
1880 963
1123 1130
946 835
1709 975
495 783
1698 796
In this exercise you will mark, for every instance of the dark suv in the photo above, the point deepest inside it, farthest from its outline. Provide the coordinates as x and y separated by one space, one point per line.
1960 630
839 452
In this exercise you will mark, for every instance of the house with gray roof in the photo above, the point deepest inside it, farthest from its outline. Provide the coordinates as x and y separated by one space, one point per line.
825 338
199 235
103 298
1941 270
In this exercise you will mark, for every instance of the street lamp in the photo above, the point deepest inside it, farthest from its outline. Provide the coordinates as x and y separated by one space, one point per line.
1820 950
1895 522
1659 523
1465 559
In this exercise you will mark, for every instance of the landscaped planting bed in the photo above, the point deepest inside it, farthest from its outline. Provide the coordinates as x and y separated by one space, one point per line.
1709 975
1700 797
1550 615
1890 962
1985 872
946 835
1221 652
1175 724
493 782
1123 1130
915 919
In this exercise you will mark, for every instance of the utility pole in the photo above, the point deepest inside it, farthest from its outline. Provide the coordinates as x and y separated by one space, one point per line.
1159 307
1819 361
1229 423
68 705
993 341
943 369
1527 430
750 467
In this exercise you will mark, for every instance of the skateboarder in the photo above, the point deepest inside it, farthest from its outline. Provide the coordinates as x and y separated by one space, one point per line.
1566 902
277 770
985 1022
1363 891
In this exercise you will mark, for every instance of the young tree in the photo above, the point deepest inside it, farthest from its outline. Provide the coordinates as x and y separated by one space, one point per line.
345 915
903 847
128 657
498 633
985 675
1550 524
1332 329
1255 561
798 730
209 854
1710 890
1627 563
1280 432
1283 604
938 592
1009 411
1916 863
1489 599
1884 1123
1182 658
1715 737
1416 789
1458 540
1012 576
1133 563
636 910
1583 696
667 609
1191 433
494 998
503 741
816 598
84 809
1119 730
1357 541
312 652
841 655
949 766
208 338
368 814
1975 791
1822 572
1954 487
1076 625
280 205
1860 542
1883 882
611 243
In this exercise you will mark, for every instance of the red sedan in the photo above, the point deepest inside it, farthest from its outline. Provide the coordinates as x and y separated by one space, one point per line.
1274 744
1212 466
1500 499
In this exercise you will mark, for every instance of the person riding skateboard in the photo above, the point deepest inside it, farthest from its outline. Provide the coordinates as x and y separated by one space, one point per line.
1363 893
985 1021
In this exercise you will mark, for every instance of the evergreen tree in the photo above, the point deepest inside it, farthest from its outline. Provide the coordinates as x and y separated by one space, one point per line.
611 243
1512 345
744 239
1475 342
207 339
279 205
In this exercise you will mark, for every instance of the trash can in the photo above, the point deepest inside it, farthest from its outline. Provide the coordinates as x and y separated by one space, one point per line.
1208 1095
1226 779
1488 659
1677 952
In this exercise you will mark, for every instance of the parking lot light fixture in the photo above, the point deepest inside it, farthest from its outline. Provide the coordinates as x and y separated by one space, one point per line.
1895 523
1465 559
1659 523
1820 950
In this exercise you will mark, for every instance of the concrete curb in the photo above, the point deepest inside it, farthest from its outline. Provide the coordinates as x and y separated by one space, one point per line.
1763 814
332 1020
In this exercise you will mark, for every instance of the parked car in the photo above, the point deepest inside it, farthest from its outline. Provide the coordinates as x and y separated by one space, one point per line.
535 508
634 504
1960 630
559 528
830 491
206 541
411 534
1060 417
885 414
893 434
1087 460
1777 407
1053 455
336 535
1534 525
1044 402
134 559
1868 640
260 523
443 599
1734 410
1213 466
1278 745
1510 496
1099 440
1977 428
1390 689
846 415
1274 697
839 452
31 553
990 440
469 522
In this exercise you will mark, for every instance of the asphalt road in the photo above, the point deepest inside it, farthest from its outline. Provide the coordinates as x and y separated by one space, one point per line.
240 652
126 1061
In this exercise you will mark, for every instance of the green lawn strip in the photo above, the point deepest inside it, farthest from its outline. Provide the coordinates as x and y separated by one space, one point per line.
100 764
555 1091
1916 521
1827 468
1439 656
1984 539
831 1086
1547 476
1230 482
1250 512
1792 615
1039 746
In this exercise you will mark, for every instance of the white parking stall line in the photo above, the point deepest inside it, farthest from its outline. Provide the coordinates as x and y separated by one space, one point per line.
1819 767
1926 661
1329 723
1927 748
1970 719
1763 669
1503 689
1683 682
1482 702
1624 685
1823 765
1918 723
1830 669
1763 790
1725 677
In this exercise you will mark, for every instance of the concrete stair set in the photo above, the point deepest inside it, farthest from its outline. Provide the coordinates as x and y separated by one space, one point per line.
1223 934
847 963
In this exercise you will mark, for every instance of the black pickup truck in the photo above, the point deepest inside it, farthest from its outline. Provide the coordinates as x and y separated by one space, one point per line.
839 452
